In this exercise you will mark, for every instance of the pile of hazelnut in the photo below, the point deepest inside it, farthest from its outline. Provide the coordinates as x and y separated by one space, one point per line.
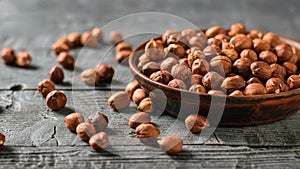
217 61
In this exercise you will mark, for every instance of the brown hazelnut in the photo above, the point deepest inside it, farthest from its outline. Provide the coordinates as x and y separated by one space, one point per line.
85 131
222 37
196 79
290 67
297 53
231 54
74 40
138 95
177 83
73 120
138 118
115 37
99 141
276 85
268 57
182 72
99 120
261 70
119 100
221 64
189 33
253 80
260 45
131 87
195 53
216 92
176 38
284 52
241 42
56 74
237 93
150 68
167 34
199 42
23 59
90 76
196 123
212 80
254 34
255 89
88 40
154 50
56 100
177 49
227 45
60 47
272 38
294 59
215 30
168 63
145 105
45 87
147 132
105 72
123 46
214 41
142 62
8 56
183 61
278 71
233 83
171 144
242 67
210 52
200 66
161 76
2 139
197 88
250 54
66 60
237 28
293 81
98 33
122 56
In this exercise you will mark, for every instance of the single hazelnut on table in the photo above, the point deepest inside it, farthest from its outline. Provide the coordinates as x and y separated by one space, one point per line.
272 38
66 60
237 28
119 100
115 37
260 45
268 57
177 83
261 70
150 68
196 123
231 54
60 47
293 81
177 49
168 63
147 132
73 120
276 85
138 118
146 105
98 33
212 80
45 87
242 67
278 71
232 83
241 42
215 30
99 120
284 52
56 100
74 40
171 144
131 87
99 141
8 56
250 54
105 72
255 89
221 64
2 139
236 93
123 46
200 66
196 79
182 72
197 88
85 131
216 92
122 56
23 59
90 76
154 50
195 53
88 40
138 95
290 67
56 74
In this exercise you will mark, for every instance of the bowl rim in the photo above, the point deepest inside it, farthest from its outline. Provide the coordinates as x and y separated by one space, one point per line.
136 54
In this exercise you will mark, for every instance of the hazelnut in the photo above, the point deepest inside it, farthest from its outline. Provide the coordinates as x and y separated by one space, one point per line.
195 53
233 83
199 42
88 40
182 72
98 33
214 41
168 63
215 30
23 59
115 37
196 79
131 87
200 66
56 74
177 49
73 120
45 87
237 28
63 40
272 38
176 38
56 100
216 92
122 56
196 123
255 89
222 37
85 131
253 80
105 72
293 81
119 100
74 40
123 46
147 132
171 144
290 67
99 141
139 118
241 42
2 139
212 80
183 61
177 83
210 52
145 105
66 60
250 54
197 88
154 50
260 45
8 56
138 95
254 34
60 47
294 59
227 45
268 57
189 33
231 54
161 76
150 68
275 85
261 70
284 52
237 93
278 71
99 120
242 66
167 35
297 53
221 64
90 76
142 62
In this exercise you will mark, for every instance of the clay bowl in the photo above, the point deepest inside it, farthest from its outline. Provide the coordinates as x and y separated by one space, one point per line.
220 110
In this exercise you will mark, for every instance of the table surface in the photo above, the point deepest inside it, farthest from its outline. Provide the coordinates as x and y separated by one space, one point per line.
37 137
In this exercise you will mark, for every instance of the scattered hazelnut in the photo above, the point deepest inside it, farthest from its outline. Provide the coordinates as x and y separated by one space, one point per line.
221 64
60 47
90 76
150 68
99 120
237 93
255 89
212 80
8 56
250 54
293 81
216 92
278 71
98 33
88 40
275 85
56 100
123 46
233 83
196 123
177 49
260 45
138 95
268 57
215 30
45 87
139 118
290 67
284 52
66 60
145 105
182 72
171 144
73 120
56 74
23 59
168 63
272 38
2 139
147 132
122 56
105 72
261 70
99 141
177 83
115 37
197 88
74 40
85 131
200 66
154 50
119 100
131 87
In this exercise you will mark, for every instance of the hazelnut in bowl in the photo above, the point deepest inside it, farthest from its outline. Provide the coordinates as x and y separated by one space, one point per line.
235 77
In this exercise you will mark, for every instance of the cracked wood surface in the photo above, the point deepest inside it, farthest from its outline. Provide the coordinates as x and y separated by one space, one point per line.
37 137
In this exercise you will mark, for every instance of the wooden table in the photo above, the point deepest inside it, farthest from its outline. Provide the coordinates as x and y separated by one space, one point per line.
37 137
